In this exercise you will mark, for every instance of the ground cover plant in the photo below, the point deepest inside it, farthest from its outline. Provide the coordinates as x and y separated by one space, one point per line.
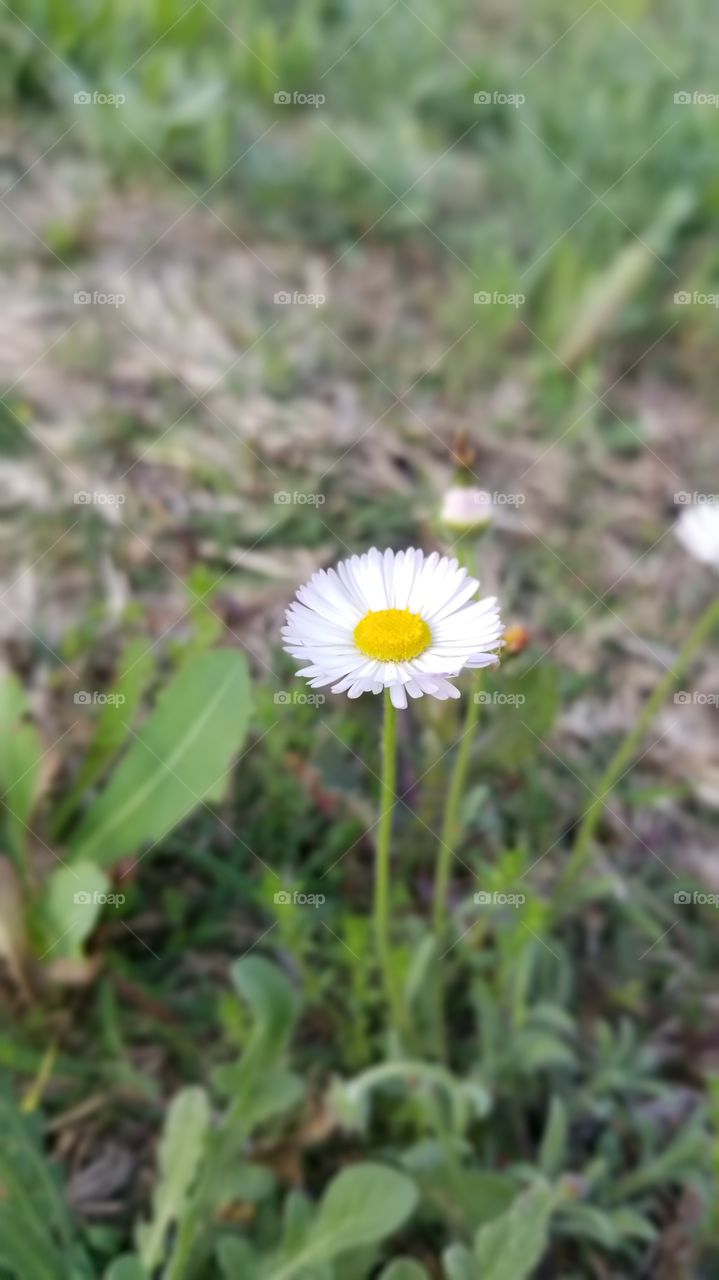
298 985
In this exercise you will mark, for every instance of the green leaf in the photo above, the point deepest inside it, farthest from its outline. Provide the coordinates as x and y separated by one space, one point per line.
181 1151
538 1050
20 765
126 1268
553 1151
74 899
459 1263
260 1087
513 1245
177 759
236 1258
114 724
631 1225
404 1269
275 1007
259 1084
362 1205
37 1238
466 1197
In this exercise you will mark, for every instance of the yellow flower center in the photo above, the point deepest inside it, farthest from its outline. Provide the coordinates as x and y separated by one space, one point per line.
392 635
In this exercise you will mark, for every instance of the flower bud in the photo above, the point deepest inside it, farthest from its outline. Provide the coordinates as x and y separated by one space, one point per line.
466 509
516 639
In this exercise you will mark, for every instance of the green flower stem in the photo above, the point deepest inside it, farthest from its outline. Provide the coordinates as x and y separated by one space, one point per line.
622 759
382 865
448 837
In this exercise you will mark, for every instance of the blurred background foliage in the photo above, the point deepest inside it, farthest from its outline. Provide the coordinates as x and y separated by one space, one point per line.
583 1060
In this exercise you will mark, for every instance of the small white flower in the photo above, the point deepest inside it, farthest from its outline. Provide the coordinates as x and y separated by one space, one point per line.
404 622
698 531
467 508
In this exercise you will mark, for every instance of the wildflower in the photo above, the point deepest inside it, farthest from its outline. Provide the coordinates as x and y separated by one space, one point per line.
401 621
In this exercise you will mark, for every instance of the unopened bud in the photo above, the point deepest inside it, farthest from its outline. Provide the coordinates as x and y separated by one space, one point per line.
467 509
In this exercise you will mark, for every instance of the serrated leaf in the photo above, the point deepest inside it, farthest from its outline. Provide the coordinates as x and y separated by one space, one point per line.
181 1151
178 757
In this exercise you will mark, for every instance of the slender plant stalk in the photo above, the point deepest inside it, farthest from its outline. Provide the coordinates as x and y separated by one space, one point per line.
622 758
448 837
383 864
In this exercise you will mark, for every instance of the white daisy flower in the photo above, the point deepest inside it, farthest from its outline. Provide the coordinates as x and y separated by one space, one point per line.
399 621
698 531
